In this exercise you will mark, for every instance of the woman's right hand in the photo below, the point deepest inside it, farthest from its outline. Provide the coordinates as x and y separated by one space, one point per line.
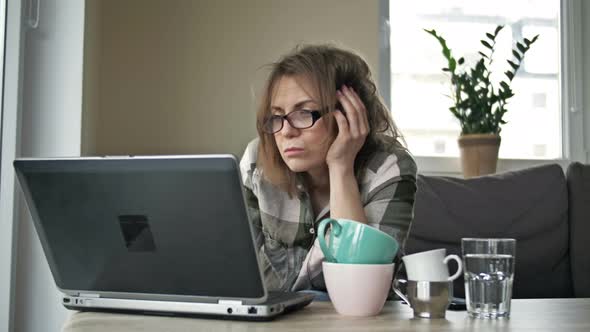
352 130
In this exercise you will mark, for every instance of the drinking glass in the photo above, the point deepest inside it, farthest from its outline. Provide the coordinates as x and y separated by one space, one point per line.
488 266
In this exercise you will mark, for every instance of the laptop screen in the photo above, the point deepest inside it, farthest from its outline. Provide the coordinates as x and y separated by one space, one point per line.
170 225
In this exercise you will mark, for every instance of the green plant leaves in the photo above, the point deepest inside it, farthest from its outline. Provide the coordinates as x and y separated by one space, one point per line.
452 64
478 104
513 65
498 29
516 55
447 52
530 42
486 44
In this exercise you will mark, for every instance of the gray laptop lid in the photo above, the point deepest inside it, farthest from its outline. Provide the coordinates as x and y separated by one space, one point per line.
144 225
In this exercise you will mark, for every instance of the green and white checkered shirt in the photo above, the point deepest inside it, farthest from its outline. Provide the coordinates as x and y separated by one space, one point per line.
285 227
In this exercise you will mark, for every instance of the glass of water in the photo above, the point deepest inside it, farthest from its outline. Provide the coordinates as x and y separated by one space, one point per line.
488 266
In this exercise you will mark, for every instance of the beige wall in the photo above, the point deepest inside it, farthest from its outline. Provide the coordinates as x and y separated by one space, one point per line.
179 76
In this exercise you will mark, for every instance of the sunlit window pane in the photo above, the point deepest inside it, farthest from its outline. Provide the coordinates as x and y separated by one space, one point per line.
419 88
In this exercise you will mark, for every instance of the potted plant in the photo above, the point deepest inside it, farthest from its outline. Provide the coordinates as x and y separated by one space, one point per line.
478 104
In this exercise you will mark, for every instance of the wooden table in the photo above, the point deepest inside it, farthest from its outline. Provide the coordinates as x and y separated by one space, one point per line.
527 315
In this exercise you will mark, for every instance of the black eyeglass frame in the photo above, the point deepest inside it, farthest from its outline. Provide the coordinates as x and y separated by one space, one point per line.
315 116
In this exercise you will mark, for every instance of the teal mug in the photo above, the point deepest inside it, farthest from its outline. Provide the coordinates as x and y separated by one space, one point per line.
352 242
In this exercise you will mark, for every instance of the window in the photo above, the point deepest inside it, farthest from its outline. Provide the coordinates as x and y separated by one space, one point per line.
418 85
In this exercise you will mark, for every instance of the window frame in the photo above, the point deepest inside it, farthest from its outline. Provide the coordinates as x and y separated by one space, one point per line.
9 202
571 96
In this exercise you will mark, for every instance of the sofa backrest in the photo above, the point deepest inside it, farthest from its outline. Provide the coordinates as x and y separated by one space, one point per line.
578 180
530 205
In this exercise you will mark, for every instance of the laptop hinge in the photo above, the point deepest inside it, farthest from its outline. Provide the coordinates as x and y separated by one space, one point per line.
88 295
230 302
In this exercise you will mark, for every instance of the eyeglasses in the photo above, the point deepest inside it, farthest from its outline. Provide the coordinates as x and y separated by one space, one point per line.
300 119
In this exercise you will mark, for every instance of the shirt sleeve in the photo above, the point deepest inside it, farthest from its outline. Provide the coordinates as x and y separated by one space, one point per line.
389 195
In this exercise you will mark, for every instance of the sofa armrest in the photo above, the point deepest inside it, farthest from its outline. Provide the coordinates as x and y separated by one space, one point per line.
578 182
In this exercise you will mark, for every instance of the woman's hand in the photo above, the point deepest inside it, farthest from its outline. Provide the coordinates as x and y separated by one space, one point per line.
352 130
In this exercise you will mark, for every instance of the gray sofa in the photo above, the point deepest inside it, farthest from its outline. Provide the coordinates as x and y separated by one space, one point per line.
547 211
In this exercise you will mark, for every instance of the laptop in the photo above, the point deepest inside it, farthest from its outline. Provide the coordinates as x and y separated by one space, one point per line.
150 234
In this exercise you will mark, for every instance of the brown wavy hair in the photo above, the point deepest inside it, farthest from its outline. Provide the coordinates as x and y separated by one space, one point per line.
327 68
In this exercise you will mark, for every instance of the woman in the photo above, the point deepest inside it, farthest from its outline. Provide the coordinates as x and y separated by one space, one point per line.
327 147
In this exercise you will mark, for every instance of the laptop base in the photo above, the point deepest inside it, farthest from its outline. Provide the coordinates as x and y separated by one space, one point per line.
266 311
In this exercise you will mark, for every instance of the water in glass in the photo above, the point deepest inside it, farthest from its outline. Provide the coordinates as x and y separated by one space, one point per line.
488 284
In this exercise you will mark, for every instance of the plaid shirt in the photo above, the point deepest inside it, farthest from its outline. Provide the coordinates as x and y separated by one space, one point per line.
285 228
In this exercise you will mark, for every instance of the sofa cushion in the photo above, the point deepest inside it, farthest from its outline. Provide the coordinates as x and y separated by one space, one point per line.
529 205
578 180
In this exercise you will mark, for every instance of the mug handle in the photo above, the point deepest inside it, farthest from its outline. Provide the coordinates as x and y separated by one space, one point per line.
336 228
396 282
459 266
397 291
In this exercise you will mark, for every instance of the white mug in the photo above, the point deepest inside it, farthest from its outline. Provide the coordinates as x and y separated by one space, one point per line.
358 289
431 266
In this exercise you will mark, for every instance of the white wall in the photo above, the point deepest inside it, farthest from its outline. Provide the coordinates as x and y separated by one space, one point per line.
51 126
179 76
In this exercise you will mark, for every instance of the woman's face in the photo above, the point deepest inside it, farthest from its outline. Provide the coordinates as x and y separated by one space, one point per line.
301 149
